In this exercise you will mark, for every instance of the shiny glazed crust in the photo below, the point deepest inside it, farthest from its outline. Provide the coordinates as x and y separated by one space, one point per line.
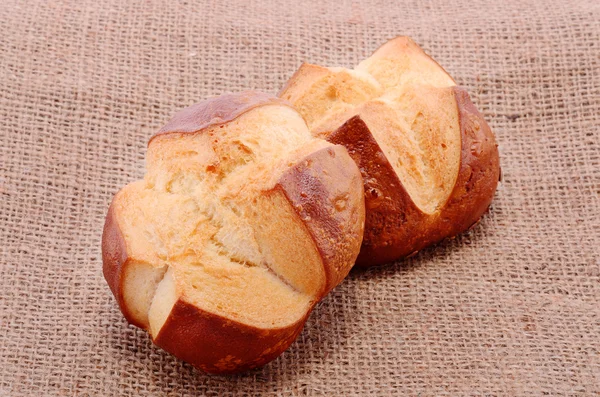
395 225
322 186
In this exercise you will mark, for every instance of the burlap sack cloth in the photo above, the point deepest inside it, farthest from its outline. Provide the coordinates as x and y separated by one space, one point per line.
510 309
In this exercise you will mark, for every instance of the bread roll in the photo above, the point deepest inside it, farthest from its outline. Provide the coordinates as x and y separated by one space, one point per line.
429 160
242 223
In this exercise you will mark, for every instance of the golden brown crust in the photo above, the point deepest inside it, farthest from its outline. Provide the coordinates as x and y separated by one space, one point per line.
115 260
318 189
398 224
208 341
394 225
306 69
313 185
480 166
218 345
216 111
389 219
404 44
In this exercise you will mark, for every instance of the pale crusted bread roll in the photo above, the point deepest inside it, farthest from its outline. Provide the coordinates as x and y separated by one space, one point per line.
429 160
242 223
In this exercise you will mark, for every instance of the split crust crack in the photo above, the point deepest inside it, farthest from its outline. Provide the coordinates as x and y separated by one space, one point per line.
215 223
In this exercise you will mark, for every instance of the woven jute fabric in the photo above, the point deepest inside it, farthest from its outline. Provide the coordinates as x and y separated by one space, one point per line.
511 308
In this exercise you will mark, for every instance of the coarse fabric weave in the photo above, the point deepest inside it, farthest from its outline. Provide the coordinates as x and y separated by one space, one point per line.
511 308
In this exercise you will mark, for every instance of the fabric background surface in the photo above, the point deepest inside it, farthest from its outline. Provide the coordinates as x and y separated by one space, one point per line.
510 308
